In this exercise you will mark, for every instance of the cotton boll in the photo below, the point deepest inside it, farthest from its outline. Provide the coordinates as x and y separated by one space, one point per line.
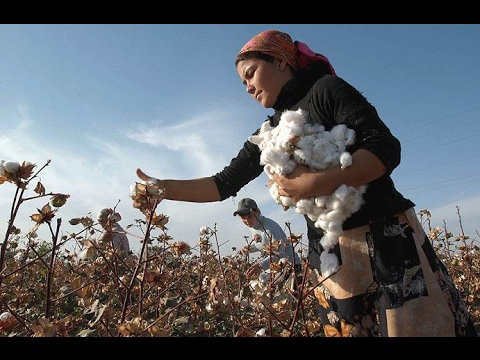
357 200
269 170
362 188
334 227
304 206
315 212
273 134
287 137
316 166
328 137
279 169
349 136
293 118
276 160
302 156
356 205
330 160
329 263
82 255
335 204
336 215
11 166
87 253
313 128
306 141
320 201
278 147
274 191
133 190
257 140
323 215
260 137
312 212
256 287
319 151
342 192
288 167
340 145
268 155
345 160
338 132
261 333
329 240
287 202
321 224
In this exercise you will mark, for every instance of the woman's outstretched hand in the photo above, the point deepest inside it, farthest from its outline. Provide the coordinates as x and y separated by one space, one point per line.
141 193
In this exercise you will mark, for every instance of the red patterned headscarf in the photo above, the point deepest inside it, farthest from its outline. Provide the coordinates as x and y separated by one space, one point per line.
281 46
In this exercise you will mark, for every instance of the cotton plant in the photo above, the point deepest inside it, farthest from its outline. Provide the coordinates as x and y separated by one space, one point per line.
295 141
14 172
146 196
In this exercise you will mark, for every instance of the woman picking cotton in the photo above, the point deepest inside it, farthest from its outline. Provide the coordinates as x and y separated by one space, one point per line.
389 280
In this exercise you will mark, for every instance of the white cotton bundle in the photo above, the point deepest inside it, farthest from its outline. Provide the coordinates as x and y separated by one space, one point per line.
294 141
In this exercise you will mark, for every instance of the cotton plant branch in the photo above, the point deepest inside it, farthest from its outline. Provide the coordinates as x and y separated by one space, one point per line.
21 175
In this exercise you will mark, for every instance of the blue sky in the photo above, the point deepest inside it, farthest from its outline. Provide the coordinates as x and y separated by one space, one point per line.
100 100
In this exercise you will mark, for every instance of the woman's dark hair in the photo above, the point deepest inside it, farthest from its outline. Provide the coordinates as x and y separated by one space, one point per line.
254 55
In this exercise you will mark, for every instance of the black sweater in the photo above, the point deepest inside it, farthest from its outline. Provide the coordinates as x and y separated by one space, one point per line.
329 100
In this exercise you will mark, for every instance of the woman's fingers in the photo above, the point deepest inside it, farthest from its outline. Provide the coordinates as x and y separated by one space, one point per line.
142 175
147 179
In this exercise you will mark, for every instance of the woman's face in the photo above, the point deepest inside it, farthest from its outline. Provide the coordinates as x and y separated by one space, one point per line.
263 79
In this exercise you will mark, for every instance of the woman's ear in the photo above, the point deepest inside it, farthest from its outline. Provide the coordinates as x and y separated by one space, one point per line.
282 64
